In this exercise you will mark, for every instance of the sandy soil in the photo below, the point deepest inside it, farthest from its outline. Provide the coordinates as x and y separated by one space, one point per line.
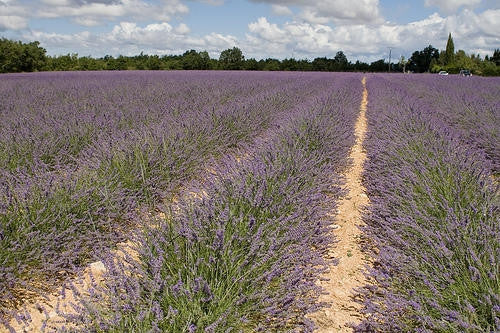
348 275
44 317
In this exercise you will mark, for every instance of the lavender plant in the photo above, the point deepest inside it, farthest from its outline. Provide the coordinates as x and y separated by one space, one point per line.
470 107
81 154
246 254
433 218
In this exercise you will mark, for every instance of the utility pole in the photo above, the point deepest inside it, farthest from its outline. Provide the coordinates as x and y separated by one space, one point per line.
390 53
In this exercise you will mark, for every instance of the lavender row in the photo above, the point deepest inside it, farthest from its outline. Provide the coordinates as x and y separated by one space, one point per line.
245 253
53 119
434 221
82 153
469 106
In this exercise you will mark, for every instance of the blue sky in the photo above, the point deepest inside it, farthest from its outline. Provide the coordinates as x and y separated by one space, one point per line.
363 29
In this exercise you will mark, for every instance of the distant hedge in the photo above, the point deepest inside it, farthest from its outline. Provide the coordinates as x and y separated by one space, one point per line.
16 56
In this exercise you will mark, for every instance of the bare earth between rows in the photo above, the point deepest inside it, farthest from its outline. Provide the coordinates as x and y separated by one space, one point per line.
342 279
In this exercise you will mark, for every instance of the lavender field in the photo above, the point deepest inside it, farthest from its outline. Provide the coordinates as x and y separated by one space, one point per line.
432 178
86 156
224 183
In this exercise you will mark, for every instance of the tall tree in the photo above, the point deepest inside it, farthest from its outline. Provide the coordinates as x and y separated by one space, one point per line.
496 57
341 62
204 60
320 64
450 51
232 58
420 61
195 60
21 57
378 66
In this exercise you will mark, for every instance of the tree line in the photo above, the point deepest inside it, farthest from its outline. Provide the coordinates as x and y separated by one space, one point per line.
432 60
16 56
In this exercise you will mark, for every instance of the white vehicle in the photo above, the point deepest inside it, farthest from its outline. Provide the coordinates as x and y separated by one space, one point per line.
443 73
465 72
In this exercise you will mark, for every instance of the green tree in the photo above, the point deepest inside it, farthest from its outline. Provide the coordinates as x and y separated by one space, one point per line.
450 51
231 59
154 62
420 61
205 61
68 62
10 54
191 60
320 64
171 62
140 61
89 64
289 65
496 57
361 66
119 63
341 62
378 66
271 64
33 57
462 61
489 68
21 57
251 64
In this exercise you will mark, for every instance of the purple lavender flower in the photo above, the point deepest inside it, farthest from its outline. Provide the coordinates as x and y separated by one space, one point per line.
252 246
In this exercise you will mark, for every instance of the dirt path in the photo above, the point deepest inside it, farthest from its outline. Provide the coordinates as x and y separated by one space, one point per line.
348 274
43 315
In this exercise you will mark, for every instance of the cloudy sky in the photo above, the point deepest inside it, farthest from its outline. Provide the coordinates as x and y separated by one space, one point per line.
363 29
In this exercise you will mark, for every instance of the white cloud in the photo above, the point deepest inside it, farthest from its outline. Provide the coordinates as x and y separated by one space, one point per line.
104 10
216 43
12 22
310 15
10 8
57 2
212 2
476 33
320 28
293 37
69 42
128 38
86 21
337 11
281 10
92 12
182 29
268 31
451 6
